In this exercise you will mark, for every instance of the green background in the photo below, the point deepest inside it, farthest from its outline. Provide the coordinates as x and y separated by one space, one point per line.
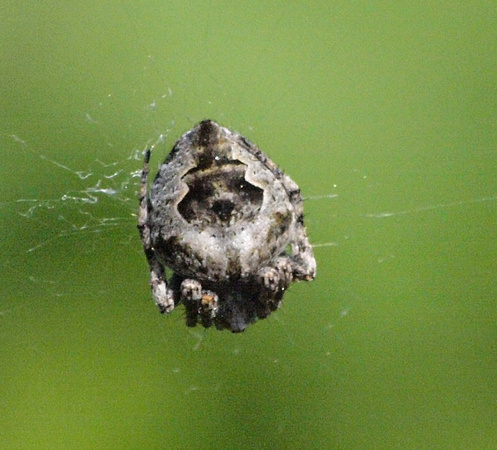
385 114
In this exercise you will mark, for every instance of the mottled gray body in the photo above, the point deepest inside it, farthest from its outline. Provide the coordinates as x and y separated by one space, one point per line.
229 223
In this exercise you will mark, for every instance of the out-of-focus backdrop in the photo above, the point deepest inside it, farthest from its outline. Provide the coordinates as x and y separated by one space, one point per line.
385 114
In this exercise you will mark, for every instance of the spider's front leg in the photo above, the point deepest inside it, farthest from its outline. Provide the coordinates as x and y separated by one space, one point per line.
191 295
302 259
198 303
163 296
278 276
275 279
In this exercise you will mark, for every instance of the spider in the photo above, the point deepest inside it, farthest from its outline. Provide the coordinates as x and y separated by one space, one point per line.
228 223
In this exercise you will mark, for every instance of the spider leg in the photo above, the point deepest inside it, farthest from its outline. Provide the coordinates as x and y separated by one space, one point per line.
302 258
163 297
199 304
191 295
275 279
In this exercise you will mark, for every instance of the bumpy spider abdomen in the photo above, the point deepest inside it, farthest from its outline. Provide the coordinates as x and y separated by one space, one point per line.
218 213
221 215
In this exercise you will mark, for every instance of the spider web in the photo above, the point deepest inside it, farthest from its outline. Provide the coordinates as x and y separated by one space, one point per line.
87 201
101 204
73 272
86 212
100 208
79 204
76 208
